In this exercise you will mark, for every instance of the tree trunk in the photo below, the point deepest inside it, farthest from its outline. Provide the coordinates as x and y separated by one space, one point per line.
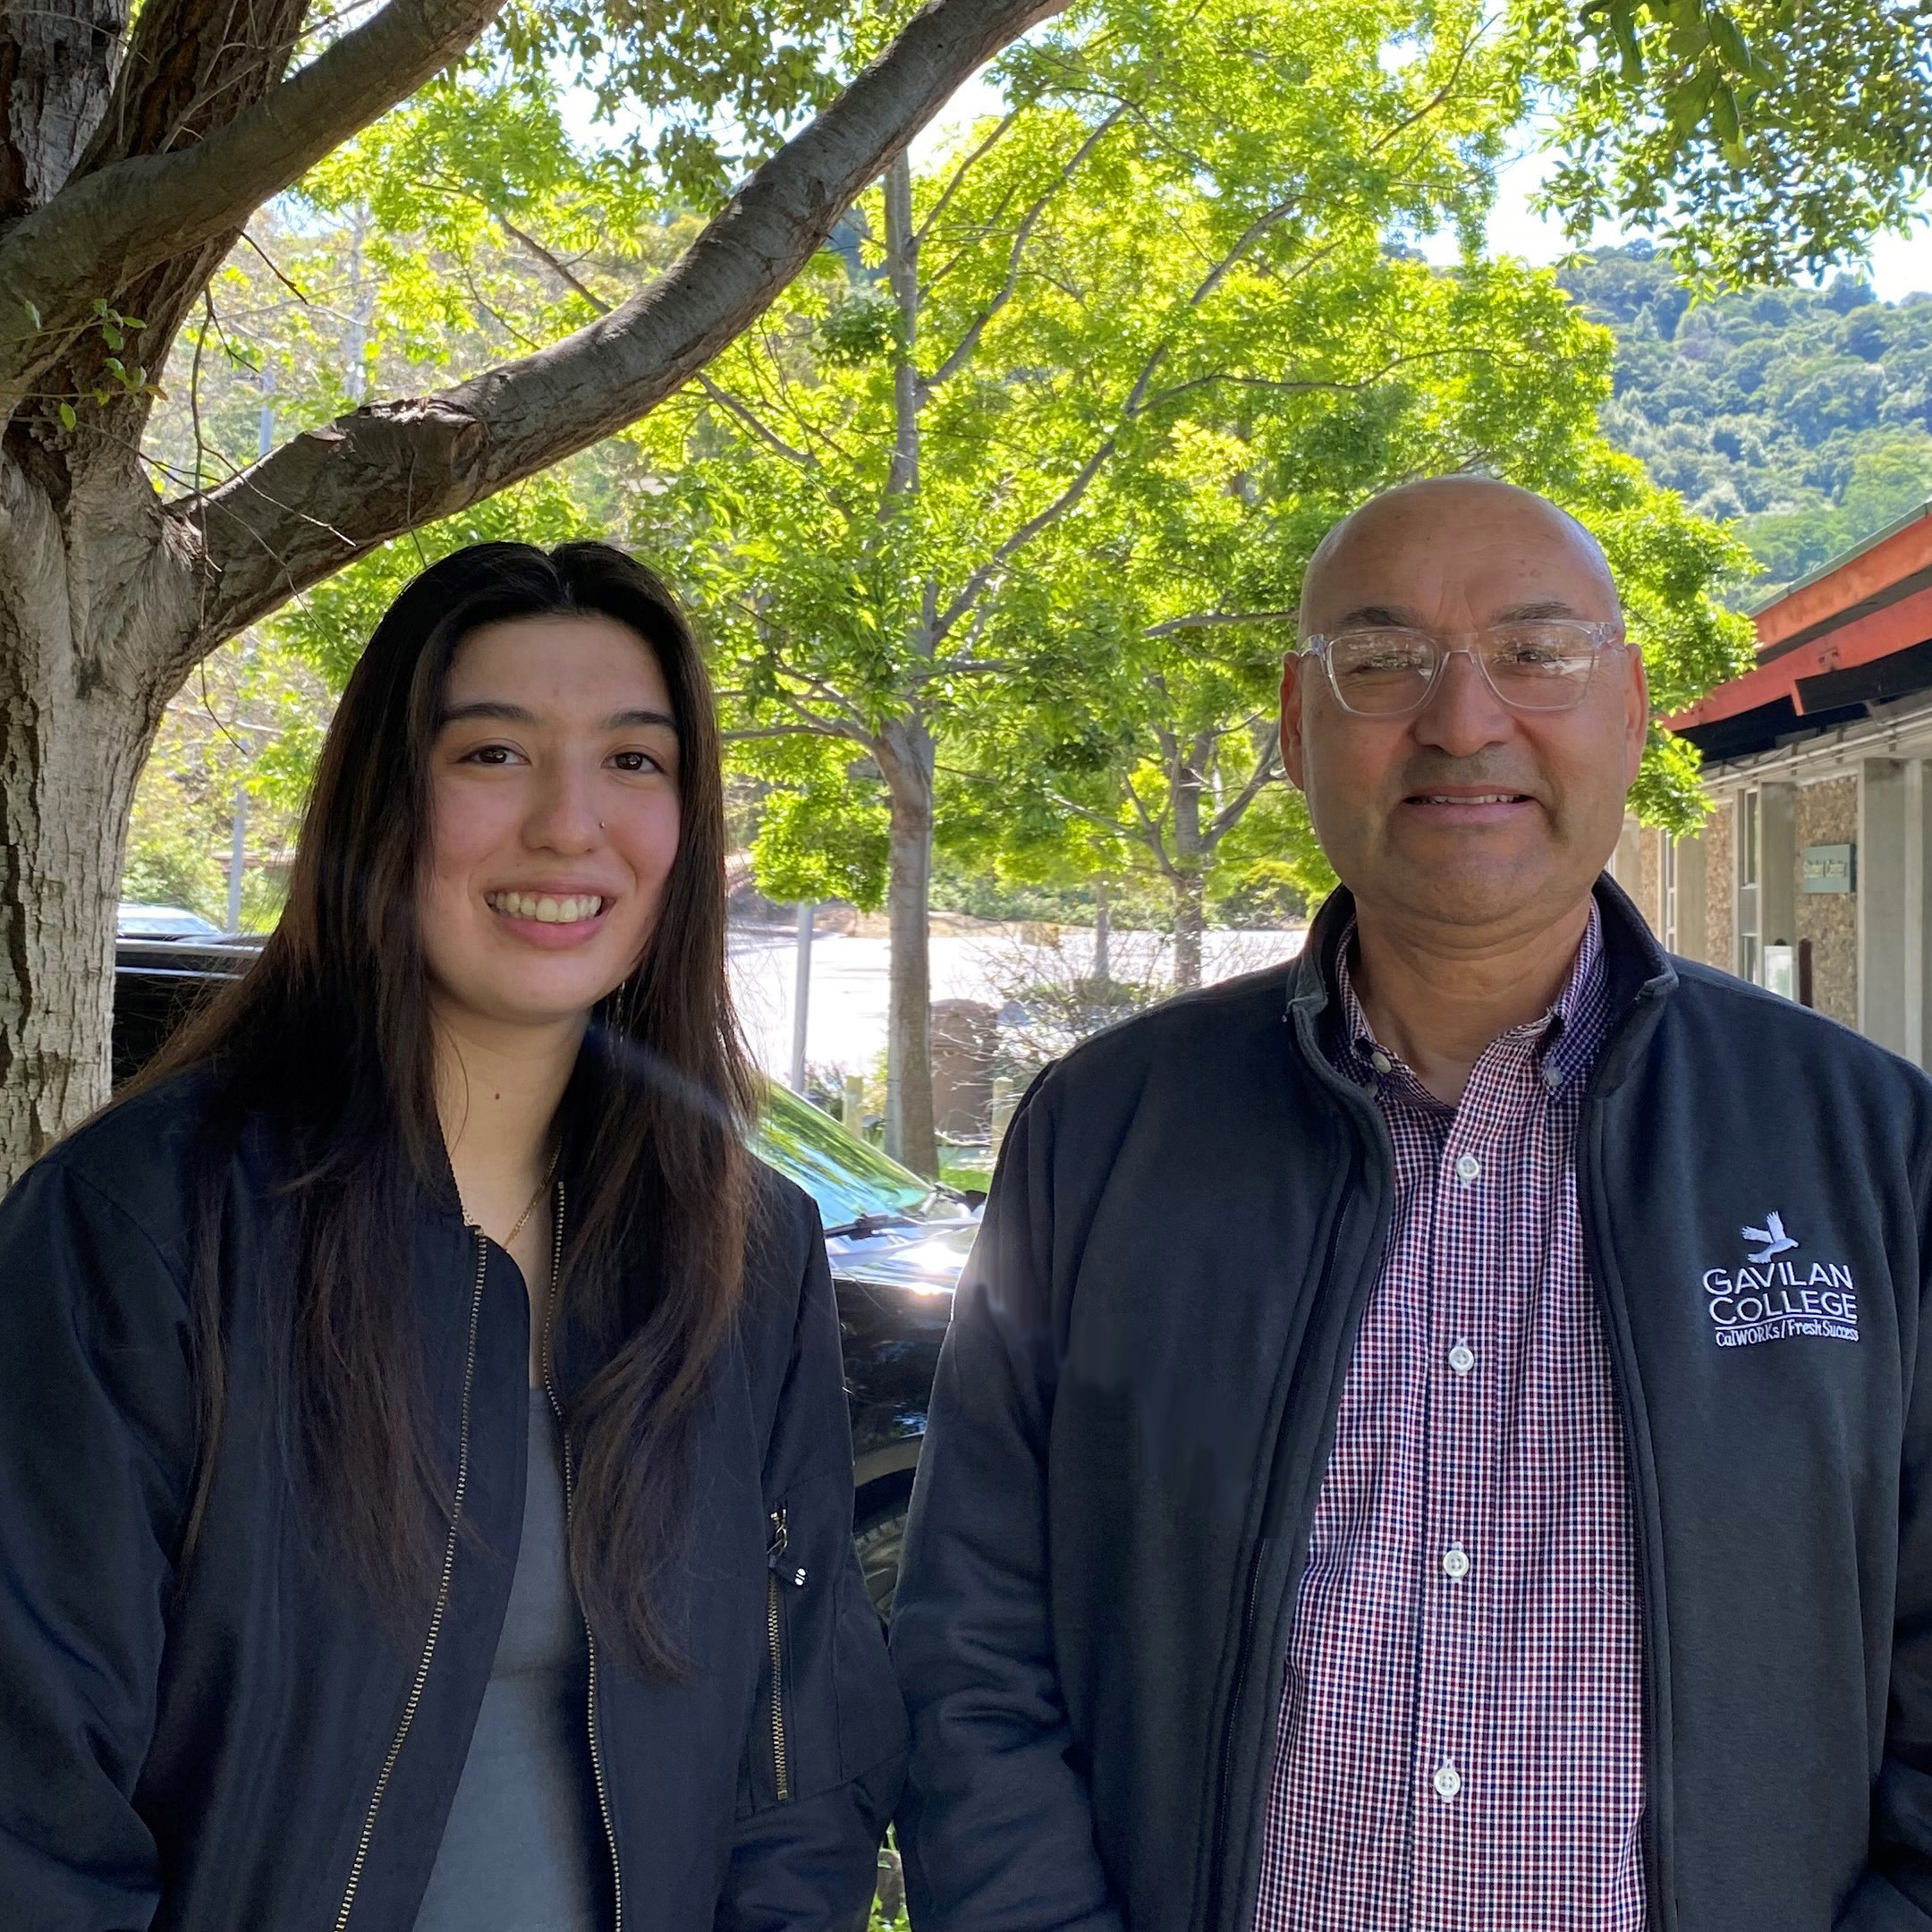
904 751
1190 920
74 735
902 270
1103 934
1187 782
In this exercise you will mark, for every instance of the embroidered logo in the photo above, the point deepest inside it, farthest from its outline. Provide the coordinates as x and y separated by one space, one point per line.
1776 1241
1767 1299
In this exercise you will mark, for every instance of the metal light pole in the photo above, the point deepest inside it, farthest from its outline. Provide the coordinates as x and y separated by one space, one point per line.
802 995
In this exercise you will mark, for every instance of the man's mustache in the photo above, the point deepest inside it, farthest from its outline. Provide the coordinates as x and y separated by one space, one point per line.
1482 775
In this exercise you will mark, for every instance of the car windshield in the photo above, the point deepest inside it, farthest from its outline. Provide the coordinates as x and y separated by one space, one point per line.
163 922
850 1180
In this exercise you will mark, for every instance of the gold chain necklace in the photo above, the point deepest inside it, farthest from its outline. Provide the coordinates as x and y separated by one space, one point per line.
543 1188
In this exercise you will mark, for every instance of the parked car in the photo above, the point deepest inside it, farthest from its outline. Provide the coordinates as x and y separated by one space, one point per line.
133 920
896 1243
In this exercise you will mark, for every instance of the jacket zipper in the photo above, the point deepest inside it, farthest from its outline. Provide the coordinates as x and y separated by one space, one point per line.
775 1623
1660 1910
1243 1653
442 1597
549 1381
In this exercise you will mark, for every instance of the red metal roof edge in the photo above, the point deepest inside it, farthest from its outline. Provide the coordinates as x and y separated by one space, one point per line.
1822 593
1851 613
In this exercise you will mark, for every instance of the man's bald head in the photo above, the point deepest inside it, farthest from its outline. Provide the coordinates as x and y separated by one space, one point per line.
1439 518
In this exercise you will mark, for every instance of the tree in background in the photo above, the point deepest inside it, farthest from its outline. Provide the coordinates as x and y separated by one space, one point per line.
1161 246
1752 138
134 147
897 480
1166 760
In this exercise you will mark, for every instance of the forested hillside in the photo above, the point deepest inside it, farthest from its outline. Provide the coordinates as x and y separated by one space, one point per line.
1804 413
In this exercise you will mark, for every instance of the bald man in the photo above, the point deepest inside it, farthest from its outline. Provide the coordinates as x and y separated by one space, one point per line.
1436 1435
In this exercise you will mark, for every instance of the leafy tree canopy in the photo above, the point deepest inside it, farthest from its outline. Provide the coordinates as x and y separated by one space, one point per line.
1753 136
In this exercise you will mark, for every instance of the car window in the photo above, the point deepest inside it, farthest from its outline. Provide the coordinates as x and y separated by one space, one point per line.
847 1178
163 922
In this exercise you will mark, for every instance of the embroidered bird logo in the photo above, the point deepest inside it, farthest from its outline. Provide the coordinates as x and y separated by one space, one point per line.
1772 1235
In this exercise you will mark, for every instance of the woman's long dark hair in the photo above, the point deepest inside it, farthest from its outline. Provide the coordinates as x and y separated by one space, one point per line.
329 1037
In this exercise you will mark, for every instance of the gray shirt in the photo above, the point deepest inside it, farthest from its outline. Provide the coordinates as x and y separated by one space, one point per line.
524 1849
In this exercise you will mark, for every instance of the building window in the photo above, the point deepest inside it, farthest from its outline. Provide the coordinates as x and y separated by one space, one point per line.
1667 883
1749 889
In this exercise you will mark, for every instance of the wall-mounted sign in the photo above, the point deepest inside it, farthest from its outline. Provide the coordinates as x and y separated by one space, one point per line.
1828 868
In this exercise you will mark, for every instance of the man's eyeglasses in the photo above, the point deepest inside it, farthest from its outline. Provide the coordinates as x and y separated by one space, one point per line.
1387 670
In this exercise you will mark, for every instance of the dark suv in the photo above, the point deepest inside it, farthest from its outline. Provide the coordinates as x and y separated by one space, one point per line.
895 1242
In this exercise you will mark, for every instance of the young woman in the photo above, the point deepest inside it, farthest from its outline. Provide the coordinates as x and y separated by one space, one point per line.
424 1479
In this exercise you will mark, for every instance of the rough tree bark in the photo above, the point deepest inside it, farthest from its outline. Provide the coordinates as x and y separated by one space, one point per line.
124 179
905 758
77 715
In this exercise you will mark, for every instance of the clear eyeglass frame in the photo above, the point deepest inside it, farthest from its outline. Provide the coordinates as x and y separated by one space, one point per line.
1481 649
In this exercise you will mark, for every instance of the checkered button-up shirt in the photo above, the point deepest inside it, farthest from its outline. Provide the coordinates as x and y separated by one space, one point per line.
1460 1730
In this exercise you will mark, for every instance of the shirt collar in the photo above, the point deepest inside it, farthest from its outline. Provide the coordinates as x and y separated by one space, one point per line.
1568 1036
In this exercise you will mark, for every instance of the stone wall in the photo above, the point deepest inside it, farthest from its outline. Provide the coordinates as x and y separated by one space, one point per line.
1827 815
1720 884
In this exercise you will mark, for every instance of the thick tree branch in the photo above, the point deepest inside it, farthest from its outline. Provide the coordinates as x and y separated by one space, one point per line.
105 230
325 498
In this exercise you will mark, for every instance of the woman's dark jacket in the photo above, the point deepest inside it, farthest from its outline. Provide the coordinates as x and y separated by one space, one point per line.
219 1752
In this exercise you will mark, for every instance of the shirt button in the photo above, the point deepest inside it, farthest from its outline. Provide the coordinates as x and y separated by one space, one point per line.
1461 1358
1467 1168
1381 1062
1455 1562
1552 1078
1448 1782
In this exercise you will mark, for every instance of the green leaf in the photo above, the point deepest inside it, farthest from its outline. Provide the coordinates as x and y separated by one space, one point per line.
1730 42
68 418
1724 123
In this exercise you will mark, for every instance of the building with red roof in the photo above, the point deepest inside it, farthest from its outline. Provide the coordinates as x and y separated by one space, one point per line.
1813 875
